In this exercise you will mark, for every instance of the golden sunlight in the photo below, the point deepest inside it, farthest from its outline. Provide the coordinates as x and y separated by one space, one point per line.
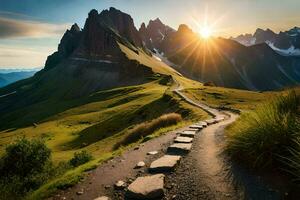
205 32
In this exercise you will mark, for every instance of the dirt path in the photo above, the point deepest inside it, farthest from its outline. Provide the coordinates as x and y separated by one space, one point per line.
101 180
205 173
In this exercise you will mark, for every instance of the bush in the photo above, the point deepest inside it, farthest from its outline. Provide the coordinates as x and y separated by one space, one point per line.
268 136
147 128
25 166
25 157
80 158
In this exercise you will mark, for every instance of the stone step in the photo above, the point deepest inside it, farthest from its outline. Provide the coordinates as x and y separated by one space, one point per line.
204 124
210 121
195 126
147 187
179 148
166 163
190 134
180 139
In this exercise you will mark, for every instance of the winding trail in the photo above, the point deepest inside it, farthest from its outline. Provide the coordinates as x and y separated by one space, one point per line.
203 174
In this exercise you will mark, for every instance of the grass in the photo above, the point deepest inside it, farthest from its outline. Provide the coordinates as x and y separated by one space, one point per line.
228 98
268 137
147 128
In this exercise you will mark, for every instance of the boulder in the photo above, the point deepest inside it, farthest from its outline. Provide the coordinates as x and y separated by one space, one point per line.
148 187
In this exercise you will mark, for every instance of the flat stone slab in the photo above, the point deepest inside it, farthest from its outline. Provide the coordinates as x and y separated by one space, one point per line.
179 148
199 127
164 164
190 134
180 139
204 124
210 121
148 187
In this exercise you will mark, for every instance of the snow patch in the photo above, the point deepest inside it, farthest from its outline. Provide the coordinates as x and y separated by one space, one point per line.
292 51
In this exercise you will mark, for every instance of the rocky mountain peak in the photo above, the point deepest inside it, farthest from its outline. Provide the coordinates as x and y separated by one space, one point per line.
183 28
75 28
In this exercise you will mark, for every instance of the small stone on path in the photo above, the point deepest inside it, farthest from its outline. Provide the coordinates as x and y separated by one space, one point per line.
152 153
102 198
80 192
140 165
148 187
120 185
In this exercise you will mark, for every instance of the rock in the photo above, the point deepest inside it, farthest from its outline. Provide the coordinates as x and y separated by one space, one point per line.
140 165
107 186
136 148
179 148
148 187
180 139
120 185
80 192
190 134
152 153
102 198
164 164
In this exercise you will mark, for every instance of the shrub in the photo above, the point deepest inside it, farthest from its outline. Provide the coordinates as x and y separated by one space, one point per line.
266 137
147 128
25 166
80 158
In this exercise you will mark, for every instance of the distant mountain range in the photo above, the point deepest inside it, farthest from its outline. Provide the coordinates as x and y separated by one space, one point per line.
286 43
96 57
7 76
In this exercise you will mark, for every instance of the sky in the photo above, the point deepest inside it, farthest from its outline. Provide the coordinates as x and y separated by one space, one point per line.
30 30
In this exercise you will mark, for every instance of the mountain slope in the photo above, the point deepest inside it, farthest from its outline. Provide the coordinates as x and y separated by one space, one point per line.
227 63
8 78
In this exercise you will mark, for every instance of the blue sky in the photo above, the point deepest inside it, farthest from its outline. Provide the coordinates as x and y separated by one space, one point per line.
30 30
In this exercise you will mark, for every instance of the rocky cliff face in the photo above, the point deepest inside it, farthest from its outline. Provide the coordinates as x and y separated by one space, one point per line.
154 33
98 39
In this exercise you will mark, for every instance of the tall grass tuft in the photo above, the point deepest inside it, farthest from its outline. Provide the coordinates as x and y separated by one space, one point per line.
147 128
268 136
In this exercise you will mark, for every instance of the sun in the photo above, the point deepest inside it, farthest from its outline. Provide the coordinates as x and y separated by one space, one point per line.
205 32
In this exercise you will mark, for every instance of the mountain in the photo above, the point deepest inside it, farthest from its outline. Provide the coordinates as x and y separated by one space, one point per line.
106 53
227 63
154 33
286 43
8 78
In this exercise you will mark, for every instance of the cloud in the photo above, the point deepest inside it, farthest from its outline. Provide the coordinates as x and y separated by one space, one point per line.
18 28
19 56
